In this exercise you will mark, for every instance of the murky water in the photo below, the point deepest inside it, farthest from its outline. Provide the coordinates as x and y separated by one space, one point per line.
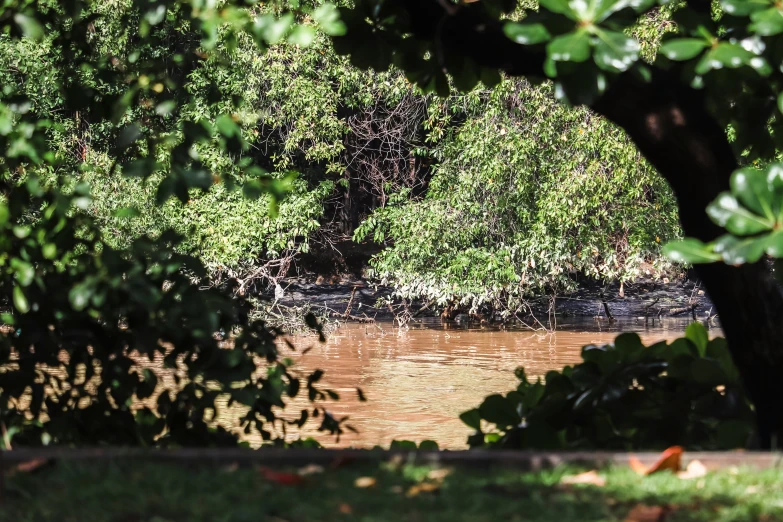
418 380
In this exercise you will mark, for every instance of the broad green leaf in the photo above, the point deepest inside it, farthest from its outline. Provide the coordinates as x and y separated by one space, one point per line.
527 34
560 7
752 189
20 300
775 244
302 35
736 251
727 212
328 18
30 27
690 251
571 47
697 334
615 52
23 270
683 48
768 22
743 7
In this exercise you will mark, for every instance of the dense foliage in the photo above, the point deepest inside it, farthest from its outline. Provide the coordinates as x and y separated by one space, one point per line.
121 344
378 160
625 396
527 195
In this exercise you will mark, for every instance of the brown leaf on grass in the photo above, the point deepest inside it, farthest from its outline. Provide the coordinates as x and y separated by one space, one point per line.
588 477
670 460
694 470
642 513
311 469
345 509
439 474
31 466
280 477
424 487
365 482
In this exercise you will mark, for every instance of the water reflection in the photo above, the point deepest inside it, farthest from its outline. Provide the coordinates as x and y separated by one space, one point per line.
418 380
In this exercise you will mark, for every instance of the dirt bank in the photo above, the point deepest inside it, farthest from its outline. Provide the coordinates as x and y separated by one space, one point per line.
359 298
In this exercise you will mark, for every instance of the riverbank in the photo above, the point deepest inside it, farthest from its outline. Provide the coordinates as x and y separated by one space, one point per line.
394 488
350 297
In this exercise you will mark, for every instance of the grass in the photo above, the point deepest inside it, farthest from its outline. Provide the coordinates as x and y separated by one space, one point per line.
124 491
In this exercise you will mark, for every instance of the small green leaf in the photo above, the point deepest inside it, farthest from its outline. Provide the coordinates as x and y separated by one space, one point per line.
30 27
697 334
20 300
752 189
302 35
683 48
768 22
527 34
727 212
328 18
690 251
570 47
615 52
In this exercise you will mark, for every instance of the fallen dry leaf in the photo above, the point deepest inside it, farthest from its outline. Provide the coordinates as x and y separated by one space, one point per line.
670 460
32 465
285 479
312 469
694 470
424 487
365 482
588 477
439 474
345 509
642 513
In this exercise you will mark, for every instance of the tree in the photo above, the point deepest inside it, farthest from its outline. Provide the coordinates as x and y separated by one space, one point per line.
91 331
706 105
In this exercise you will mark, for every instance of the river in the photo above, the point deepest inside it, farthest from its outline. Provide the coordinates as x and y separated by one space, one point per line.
418 380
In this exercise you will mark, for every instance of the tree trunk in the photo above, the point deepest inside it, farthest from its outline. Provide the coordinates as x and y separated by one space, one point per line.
689 148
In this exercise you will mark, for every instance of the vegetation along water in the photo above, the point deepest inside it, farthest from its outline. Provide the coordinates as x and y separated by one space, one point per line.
189 185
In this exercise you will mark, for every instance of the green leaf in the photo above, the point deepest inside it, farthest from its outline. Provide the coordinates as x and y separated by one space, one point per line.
570 47
24 271
697 334
752 189
615 52
683 48
727 212
328 18
743 7
690 251
30 27
527 34
302 35
736 251
560 7
768 22
20 300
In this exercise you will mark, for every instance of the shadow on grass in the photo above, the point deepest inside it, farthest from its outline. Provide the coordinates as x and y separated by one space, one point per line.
126 491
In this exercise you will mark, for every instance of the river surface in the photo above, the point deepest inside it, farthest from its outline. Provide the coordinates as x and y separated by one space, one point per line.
418 380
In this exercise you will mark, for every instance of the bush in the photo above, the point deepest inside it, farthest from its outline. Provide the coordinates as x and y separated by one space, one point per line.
124 347
624 396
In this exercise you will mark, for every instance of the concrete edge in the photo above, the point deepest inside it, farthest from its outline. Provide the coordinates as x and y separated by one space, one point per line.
523 460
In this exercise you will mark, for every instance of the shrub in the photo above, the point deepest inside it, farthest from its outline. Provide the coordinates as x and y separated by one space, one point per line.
624 396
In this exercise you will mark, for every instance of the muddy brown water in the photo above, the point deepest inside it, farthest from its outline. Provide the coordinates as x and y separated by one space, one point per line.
418 380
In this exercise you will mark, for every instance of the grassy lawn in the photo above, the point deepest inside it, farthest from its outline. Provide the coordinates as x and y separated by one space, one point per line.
123 491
